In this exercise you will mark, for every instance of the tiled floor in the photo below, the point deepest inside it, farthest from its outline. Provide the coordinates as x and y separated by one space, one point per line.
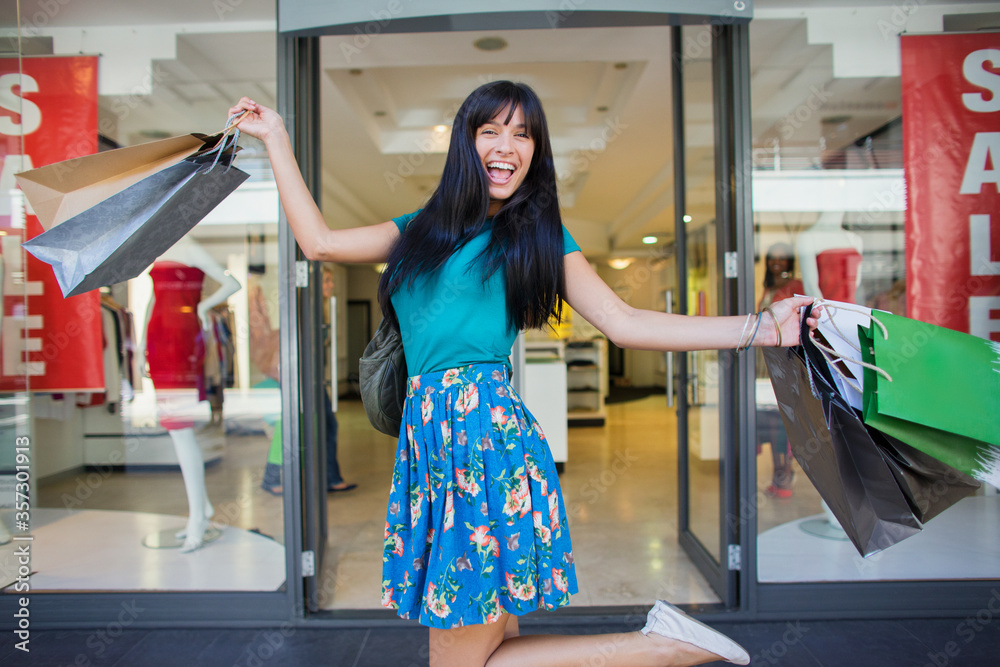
885 643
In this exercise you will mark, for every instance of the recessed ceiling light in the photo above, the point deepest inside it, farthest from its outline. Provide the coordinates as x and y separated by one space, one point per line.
649 240
687 218
490 43
441 128
620 262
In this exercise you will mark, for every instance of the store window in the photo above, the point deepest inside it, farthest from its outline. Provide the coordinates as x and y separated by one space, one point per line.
830 214
152 405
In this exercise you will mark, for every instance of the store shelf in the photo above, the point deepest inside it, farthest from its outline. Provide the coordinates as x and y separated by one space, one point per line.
586 382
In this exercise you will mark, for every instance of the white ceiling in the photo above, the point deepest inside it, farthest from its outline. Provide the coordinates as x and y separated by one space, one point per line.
606 91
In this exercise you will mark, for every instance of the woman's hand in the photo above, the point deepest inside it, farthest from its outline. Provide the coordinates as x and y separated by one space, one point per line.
787 318
260 122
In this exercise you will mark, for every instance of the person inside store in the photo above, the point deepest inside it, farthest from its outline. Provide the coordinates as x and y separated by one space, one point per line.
265 350
779 283
334 480
476 531
173 348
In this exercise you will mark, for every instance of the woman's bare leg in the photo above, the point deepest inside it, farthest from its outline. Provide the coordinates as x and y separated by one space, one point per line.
492 645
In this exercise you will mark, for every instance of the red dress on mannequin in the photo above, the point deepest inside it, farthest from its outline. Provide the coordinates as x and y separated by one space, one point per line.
175 348
838 273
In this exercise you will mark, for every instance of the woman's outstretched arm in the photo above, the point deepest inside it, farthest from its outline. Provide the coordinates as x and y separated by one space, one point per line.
318 242
638 329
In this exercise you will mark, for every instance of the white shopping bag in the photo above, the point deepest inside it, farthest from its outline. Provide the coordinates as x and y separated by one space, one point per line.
839 326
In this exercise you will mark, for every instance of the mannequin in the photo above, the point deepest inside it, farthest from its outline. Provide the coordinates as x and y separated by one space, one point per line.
830 259
174 350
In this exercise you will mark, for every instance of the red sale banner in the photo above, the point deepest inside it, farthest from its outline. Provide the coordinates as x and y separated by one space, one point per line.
951 145
48 113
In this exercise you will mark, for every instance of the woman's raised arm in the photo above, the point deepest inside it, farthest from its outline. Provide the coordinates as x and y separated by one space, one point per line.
638 329
318 242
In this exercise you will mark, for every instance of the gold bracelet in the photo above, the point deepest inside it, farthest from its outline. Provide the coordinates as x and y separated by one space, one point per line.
777 327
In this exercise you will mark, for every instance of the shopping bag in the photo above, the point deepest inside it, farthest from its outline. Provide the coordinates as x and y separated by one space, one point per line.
118 237
837 336
941 394
879 490
929 485
59 191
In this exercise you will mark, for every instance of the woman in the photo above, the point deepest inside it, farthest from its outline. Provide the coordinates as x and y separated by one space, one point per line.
779 283
779 276
476 531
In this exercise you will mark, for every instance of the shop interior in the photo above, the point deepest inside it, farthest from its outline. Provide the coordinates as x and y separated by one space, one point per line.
116 486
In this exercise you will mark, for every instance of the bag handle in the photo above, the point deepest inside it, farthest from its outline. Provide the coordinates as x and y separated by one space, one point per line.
830 354
230 135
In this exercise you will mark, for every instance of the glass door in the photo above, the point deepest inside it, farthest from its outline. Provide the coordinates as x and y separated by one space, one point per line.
706 444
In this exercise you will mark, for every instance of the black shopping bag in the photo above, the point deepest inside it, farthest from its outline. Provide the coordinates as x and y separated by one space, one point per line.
118 237
879 489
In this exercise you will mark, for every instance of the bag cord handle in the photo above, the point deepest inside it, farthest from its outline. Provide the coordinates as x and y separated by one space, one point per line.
230 137
831 355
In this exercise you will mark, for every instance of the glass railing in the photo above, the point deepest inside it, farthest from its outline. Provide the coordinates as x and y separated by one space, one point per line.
800 158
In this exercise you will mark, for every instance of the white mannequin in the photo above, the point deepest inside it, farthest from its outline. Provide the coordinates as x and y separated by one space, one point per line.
826 234
200 511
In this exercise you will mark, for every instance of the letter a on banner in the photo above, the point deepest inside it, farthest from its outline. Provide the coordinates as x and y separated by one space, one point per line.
951 148
47 343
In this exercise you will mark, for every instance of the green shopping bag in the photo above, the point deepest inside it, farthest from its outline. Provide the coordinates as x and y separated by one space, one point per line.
944 395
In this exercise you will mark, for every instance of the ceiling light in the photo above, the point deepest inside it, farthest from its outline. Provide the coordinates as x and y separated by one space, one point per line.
490 43
620 262
379 268
687 218
441 128
649 240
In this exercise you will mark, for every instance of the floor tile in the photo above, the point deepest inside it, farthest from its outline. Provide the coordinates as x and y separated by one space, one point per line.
319 646
772 643
103 646
170 647
869 643
971 641
395 648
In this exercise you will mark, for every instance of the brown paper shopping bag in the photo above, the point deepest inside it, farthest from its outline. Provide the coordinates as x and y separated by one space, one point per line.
59 191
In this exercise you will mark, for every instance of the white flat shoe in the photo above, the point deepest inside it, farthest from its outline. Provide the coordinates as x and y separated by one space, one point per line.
668 621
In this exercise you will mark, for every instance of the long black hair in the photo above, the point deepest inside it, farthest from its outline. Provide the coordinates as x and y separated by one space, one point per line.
777 251
527 238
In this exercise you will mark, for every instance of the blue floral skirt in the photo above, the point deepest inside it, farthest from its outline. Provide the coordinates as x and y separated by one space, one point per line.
476 524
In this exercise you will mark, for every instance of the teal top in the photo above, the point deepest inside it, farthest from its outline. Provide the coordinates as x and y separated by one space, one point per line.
452 318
